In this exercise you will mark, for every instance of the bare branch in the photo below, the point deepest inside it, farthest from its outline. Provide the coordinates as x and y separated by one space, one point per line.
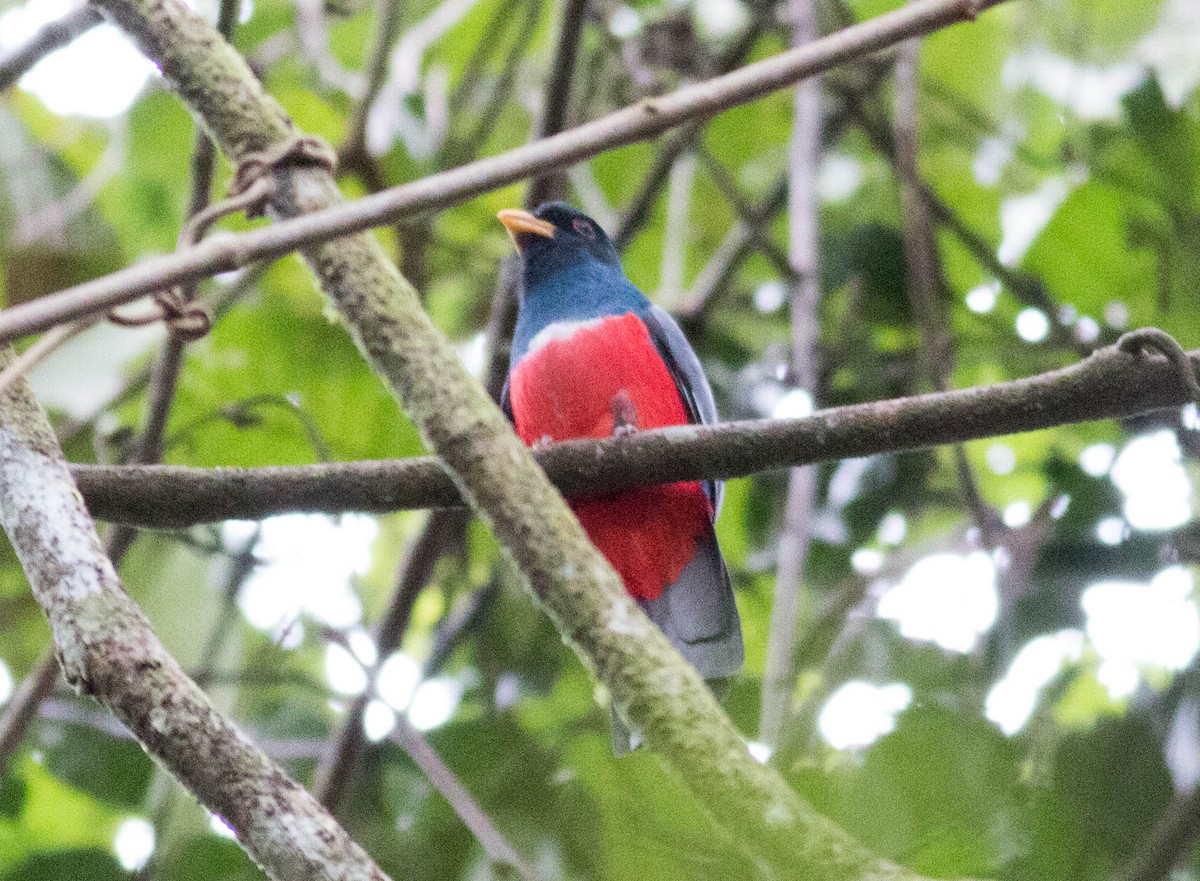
23 706
804 212
1168 842
387 29
756 222
53 36
558 95
412 575
926 278
108 650
1025 287
637 212
50 343
1108 385
445 781
642 121
555 101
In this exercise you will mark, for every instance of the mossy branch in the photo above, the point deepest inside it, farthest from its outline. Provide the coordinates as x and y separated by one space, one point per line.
651 685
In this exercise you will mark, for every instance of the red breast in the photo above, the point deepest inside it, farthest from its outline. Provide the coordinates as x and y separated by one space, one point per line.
582 380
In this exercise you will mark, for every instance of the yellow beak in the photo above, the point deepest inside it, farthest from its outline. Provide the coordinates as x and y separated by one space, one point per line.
517 221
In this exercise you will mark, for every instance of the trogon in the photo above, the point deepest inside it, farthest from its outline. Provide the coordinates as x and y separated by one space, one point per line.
593 357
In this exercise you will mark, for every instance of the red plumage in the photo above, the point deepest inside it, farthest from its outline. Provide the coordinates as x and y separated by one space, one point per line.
586 384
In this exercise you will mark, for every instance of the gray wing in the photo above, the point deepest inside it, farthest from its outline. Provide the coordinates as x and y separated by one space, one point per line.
689 378
698 615
697 612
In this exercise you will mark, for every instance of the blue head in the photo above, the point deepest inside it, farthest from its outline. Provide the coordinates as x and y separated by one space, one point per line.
570 271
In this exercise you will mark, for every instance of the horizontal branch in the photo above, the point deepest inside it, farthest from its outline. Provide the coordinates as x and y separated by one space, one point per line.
646 119
1109 384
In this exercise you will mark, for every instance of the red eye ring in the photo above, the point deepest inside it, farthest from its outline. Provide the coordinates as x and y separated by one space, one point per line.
583 228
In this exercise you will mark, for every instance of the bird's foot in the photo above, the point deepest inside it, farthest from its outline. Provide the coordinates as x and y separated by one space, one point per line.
624 414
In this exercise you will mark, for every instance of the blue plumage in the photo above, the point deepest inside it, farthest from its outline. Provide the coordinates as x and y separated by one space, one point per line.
571 281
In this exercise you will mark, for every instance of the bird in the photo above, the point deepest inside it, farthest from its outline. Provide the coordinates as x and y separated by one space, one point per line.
592 357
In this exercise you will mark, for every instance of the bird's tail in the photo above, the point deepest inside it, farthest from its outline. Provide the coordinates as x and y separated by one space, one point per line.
698 615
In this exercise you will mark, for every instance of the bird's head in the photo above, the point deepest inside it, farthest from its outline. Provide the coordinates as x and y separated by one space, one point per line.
555 237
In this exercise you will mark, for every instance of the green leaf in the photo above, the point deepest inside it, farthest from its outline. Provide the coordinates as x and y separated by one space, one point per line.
940 794
107 768
94 865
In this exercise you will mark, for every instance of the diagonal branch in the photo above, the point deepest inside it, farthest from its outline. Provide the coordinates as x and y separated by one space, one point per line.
23 706
639 122
441 531
652 687
1027 288
553 120
52 36
1108 385
425 757
108 650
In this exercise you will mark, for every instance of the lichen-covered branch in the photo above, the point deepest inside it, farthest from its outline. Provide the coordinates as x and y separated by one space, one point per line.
107 649
652 687
1108 385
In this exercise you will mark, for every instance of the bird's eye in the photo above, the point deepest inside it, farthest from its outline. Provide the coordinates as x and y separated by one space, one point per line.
583 228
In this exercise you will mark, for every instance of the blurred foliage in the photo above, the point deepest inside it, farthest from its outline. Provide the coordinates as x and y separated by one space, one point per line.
1070 108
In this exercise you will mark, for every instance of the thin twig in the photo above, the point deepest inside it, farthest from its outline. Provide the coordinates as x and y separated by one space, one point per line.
675 230
50 343
52 36
1168 842
139 381
473 142
557 95
642 121
413 573
445 781
637 213
555 102
22 707
492 39
750 229
926 278
755 220
790 599
1109 385
241 567
51 220
387 29
1026 288
455 625
737 245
